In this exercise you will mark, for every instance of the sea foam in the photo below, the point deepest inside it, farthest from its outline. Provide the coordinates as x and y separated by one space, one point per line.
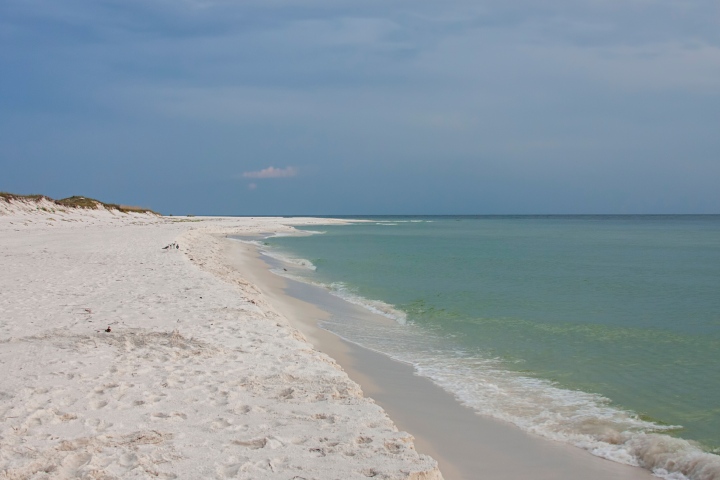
538 406
297 262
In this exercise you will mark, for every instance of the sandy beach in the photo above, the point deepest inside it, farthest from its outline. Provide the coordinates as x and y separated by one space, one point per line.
122 359
125 359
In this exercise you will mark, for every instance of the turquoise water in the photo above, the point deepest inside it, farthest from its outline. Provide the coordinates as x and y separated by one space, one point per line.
600 331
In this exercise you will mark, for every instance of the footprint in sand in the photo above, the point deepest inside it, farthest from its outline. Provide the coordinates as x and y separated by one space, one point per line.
98 404
242 410
97 424
177 416
128 460
255 444
73 462
220 423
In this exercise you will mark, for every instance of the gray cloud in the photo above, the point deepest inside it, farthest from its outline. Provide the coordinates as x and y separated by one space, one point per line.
462 97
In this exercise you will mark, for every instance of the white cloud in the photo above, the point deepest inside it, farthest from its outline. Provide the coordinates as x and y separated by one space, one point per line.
272 172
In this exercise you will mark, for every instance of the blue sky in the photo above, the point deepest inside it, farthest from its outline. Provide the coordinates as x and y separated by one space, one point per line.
337 107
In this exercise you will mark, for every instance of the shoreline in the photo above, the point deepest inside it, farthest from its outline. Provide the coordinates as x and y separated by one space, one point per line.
210 371
463 442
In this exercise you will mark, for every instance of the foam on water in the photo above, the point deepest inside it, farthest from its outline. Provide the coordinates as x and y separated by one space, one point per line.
340 290
295 233
337 289
257 243
297 262
538 406
396 222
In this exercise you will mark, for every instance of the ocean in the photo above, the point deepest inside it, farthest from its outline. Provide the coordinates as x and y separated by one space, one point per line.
598 331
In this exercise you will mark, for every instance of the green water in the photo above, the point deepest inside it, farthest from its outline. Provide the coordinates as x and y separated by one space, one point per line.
627 307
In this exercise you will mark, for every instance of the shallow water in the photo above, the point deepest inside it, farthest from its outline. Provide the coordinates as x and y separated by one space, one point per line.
598 331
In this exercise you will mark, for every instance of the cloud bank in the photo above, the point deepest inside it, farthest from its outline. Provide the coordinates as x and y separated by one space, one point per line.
459 106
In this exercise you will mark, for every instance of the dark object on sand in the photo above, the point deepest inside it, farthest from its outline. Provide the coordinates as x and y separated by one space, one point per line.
108 329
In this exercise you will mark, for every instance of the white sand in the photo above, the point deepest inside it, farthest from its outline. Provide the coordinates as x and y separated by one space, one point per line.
199 377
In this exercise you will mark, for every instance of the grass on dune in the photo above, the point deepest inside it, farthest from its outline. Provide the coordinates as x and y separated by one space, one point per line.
76 202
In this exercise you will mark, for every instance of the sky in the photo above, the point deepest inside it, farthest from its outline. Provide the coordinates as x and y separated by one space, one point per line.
279 107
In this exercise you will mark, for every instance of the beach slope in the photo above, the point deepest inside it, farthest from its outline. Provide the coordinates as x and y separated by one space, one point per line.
125 359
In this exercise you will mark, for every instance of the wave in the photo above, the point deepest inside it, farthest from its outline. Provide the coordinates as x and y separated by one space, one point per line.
297 262
397 222
257 243
337 289
341 290
296 233
585 420
538 406
287 259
